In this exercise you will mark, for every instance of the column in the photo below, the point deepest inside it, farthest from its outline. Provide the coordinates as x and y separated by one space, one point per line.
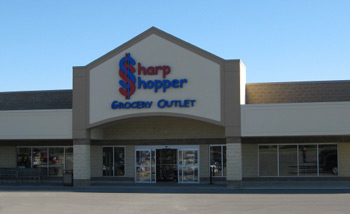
81 163
234 162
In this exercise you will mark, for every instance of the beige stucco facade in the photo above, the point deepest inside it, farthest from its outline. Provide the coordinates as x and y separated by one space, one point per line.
224 112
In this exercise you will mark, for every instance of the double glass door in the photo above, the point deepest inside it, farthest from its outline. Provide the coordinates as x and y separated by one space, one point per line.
171 164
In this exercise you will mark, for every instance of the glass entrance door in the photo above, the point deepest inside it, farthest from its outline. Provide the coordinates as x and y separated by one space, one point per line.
145 166
166 165
188 166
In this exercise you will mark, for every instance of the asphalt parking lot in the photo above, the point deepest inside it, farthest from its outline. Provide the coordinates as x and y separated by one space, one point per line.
174 199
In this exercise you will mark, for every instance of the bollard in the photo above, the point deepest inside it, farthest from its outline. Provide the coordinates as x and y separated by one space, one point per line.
211 174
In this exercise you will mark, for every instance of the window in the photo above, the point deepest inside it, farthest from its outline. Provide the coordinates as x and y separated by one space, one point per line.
268 160
218 160
51 160
298 160
113 161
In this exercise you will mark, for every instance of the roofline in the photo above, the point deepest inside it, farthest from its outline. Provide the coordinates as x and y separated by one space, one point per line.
300 82
160 33
54 90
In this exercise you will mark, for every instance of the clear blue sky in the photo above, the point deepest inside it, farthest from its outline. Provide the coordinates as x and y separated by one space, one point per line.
278 41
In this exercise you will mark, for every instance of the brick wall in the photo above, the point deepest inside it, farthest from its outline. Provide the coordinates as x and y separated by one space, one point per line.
234 159
81 162
298 92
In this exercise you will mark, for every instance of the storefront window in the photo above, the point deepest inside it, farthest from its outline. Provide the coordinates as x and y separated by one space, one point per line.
40 159
69 158
308 160
268 160
119 161
288 160
56 161
218 160
24 158
107 161
328 160
298 160
113 161
51 160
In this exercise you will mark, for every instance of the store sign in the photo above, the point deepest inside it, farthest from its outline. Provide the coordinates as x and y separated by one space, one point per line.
131 81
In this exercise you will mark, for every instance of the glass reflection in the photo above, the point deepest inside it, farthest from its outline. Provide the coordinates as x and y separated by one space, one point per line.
56 161
69 158
328 160
40 159
188 171
288 160
268 160
24 159
143 174
143 157
119 161
107 161
215 160
308 160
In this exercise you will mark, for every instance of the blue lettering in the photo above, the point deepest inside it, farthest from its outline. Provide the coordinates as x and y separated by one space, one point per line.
175 83
114 105
160 84
131 105
150 84
175 103
141 82
166 84
182 81
161 103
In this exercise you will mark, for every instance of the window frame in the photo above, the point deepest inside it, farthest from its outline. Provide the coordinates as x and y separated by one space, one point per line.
222 159
125 159
48 154
298 163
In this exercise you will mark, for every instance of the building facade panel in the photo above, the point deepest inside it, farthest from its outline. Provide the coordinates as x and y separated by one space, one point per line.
344 159
249 160
36 124
162 128
8 157
298 119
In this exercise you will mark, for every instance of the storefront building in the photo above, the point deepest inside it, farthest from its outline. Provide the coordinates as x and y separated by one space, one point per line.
158 109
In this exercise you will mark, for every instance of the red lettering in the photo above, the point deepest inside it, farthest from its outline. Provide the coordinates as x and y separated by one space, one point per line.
141 68
150 70
166 70
158 68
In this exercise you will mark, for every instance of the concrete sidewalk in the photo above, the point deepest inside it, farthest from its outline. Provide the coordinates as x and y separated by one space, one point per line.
248 187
